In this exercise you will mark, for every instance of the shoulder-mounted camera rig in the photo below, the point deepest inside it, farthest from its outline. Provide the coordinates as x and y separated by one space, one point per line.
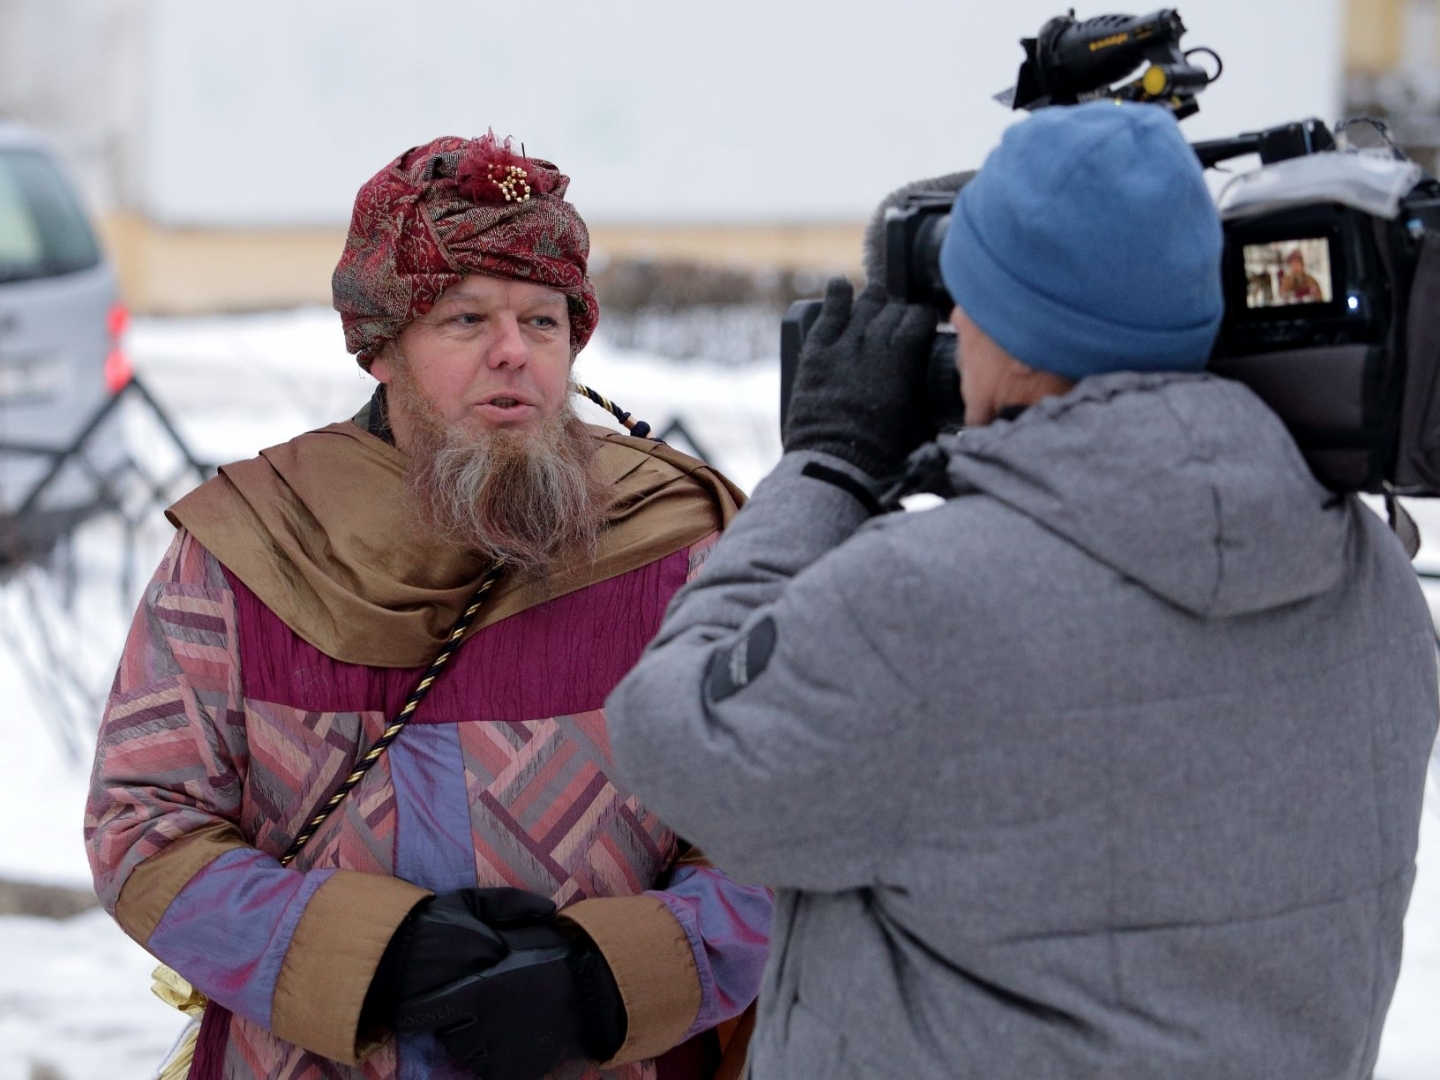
1332 280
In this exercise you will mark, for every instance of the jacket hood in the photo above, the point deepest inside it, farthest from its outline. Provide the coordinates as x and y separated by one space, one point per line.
1186 484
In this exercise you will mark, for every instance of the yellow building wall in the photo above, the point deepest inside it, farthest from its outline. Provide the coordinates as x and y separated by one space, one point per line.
1374 35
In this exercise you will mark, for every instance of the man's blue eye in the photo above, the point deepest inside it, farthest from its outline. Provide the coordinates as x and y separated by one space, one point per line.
547 322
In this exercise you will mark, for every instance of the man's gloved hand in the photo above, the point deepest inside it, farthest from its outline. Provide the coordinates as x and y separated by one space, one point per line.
445 938
552 1000
547 998
859 391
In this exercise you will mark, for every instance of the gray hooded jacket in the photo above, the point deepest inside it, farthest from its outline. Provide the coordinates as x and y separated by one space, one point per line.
1110 766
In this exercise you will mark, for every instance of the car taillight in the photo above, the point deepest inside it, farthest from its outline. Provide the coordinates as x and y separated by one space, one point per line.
118 369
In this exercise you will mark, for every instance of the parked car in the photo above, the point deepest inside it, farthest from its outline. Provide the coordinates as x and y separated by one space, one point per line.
61 325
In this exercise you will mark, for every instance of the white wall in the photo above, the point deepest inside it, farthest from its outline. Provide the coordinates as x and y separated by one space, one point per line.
74 70
274 111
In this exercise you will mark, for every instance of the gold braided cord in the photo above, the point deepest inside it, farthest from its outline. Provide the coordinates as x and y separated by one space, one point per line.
599 399
411 704
639 428
608 405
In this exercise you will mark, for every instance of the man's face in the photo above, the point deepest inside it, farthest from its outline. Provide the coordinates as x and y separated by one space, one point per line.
991 379
491 355
980 373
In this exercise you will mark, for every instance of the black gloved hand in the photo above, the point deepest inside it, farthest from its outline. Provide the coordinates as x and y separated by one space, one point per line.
859 390
550 999
445 938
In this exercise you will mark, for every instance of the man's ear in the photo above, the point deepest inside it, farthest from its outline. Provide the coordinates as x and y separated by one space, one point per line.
382 365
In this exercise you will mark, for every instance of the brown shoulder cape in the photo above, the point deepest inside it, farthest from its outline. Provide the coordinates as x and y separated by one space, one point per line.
318 529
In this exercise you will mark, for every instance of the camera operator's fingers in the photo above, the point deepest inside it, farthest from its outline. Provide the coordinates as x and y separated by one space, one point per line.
915 328
882 319
834 314
871 301
866 314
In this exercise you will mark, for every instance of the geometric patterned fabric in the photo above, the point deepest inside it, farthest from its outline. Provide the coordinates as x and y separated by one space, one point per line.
472 793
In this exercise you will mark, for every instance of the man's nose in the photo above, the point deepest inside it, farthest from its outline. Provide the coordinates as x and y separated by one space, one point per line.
507 346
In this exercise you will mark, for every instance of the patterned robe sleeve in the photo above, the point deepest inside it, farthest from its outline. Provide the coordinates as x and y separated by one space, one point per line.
169 859
689 956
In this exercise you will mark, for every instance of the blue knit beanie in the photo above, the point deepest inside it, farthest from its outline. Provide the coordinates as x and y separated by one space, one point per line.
1088 243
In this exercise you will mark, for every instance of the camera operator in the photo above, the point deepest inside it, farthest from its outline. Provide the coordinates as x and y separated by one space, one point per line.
1112 764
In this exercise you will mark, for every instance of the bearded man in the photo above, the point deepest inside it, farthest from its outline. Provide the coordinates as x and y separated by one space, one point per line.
481 884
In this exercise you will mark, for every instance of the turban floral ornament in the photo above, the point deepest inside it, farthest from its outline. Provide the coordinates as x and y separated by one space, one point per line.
447 209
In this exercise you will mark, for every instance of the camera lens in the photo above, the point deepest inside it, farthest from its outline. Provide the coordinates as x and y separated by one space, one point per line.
913 235
927 287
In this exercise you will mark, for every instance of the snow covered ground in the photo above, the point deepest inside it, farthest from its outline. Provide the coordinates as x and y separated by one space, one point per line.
74 999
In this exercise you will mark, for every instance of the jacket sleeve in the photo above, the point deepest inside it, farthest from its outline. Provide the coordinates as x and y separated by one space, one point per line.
688 956
291 950
766 719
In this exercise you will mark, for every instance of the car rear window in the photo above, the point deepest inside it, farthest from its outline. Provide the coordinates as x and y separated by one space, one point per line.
43 231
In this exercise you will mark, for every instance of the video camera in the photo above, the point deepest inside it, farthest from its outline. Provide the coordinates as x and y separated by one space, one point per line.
1331 266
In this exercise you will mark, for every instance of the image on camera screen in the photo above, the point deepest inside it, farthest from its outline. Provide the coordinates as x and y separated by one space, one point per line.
1285 272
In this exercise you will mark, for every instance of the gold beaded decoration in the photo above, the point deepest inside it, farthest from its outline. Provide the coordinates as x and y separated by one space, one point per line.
513 184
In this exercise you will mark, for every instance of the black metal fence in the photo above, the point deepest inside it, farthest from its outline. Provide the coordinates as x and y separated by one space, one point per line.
116 481
59 637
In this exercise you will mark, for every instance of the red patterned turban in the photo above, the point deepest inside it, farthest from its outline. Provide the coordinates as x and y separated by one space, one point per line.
447 209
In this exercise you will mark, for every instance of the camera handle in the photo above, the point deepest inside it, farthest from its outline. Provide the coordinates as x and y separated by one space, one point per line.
1281 143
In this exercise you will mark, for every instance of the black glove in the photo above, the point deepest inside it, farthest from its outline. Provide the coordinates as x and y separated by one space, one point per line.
548 999
859 391
552 1000
445 938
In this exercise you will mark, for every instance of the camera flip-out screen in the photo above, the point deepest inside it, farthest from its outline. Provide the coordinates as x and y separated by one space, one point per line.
1286 272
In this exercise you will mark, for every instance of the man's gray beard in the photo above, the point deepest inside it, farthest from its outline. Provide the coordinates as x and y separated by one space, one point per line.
518 496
